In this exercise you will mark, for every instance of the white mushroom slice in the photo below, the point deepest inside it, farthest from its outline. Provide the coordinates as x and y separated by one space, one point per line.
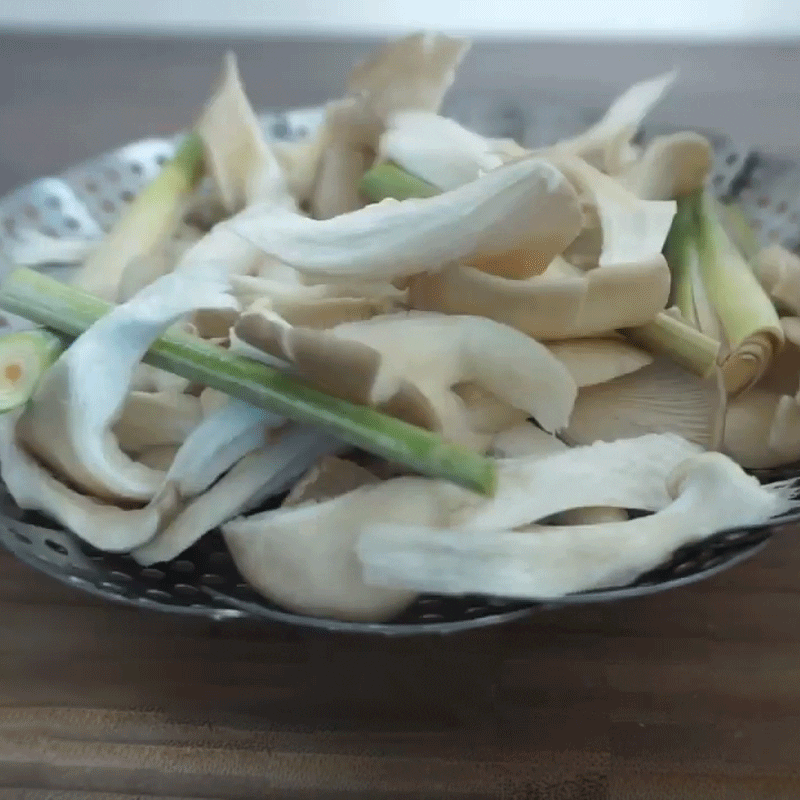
670 167
153 419
79 399
629 230
607 143
711 494
659 398
592 361
259 475
303 557
159 457
412 73
151 379
330 477
437 149
408 364
240 160
520 216
485 413
628 473
778 271
527 440
300 161
319 306
105 526
350 139
551 306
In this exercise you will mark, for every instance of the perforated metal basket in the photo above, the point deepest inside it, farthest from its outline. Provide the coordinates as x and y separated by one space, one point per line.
85 200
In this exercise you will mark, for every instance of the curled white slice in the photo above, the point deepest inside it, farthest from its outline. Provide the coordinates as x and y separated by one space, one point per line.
105 526
711 493
68 423
259 475
409 364
155 419
526 209
555 305
303 557
238 156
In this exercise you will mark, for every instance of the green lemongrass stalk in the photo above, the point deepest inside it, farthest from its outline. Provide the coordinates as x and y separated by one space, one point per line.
387 180
682 343
739 229
151 219
24 357
747 316
70 311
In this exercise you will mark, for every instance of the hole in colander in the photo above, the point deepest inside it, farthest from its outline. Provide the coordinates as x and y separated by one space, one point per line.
56 547
21 537
120 576
152 574
91 187
126 196
53 203
107 206
762 201
161 160
220 559
212 580
32 213
9 225
137 169
185 589
111 175
71 223
157 594
782 207
112 587
731 159
182 566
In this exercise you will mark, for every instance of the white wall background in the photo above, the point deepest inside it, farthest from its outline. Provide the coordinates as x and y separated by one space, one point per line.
705 19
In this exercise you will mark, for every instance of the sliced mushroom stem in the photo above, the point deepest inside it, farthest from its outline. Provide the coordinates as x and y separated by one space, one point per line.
70 311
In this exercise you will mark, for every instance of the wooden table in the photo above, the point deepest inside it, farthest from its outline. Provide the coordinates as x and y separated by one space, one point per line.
690 694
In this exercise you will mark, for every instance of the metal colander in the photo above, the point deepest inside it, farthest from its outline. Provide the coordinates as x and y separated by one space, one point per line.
85 201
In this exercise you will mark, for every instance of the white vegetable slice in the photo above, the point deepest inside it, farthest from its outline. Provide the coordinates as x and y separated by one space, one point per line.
409 363
303 557
102 525
527 209
553 305
31 248
627 473
260 474
778 272
606 144
68 423
154 419
711 494
238 156
593 361
437 149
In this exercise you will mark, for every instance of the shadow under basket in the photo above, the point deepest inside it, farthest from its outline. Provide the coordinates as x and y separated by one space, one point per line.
86 200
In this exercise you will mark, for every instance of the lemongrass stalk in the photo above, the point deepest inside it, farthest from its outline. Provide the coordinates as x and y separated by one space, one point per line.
739 229
24 357
152 217
746 314
387 180
682 343
47 302
681 253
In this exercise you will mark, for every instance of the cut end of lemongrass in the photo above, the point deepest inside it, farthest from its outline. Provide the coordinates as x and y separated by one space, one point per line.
666 335
24 357
388 181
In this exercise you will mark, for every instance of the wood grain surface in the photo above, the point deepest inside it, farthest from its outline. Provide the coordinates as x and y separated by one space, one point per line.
694 694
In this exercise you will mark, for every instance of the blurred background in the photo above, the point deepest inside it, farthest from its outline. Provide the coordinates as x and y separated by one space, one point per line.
82 76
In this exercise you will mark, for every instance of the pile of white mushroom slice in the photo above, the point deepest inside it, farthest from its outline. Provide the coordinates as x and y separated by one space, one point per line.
516 302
